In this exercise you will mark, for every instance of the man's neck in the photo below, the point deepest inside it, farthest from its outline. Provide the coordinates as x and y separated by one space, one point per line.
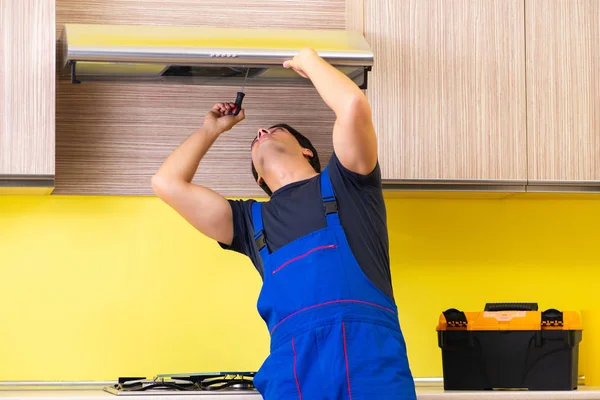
280 176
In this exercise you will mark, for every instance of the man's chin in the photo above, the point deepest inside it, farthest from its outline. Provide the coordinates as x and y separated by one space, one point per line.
270 148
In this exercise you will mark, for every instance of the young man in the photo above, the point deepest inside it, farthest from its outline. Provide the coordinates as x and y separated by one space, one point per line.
320 244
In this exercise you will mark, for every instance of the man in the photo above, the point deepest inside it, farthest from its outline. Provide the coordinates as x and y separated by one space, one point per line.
320 244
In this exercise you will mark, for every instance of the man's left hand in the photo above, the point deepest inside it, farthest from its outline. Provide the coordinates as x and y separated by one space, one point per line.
299 63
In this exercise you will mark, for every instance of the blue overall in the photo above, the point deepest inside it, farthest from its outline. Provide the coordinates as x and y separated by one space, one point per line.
334 335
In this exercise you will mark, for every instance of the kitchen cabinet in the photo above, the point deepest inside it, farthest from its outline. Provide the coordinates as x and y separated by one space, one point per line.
563 93
112 137
468 94
448 89
27 96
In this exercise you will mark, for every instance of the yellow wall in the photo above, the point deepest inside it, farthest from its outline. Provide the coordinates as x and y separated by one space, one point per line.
97 287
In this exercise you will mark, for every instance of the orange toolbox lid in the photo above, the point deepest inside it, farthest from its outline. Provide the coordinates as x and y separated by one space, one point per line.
509 317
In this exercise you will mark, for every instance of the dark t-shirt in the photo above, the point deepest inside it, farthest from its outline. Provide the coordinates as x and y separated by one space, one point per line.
296 210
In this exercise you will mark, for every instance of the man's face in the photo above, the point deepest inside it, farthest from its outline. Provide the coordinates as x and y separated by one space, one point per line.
274 142
279 135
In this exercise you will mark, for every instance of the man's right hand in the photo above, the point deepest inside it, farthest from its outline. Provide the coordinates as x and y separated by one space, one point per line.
220 118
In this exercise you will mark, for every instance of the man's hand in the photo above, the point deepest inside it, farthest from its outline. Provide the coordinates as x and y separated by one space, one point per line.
220 119
300 62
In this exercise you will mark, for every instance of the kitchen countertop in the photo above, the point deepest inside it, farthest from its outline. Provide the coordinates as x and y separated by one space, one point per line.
424 392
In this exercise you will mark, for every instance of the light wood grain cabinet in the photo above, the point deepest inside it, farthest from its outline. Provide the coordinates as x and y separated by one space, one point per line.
497 94
27 95
448 88
112 137
563 91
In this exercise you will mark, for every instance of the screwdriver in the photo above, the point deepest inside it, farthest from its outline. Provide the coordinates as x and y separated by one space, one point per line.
240 96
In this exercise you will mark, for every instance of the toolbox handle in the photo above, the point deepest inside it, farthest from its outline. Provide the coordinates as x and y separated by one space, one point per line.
511 307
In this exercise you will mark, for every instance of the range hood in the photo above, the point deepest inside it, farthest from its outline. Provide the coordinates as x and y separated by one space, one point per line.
207 56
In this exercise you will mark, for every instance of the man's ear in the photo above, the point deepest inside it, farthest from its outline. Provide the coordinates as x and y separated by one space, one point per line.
307 153
260 180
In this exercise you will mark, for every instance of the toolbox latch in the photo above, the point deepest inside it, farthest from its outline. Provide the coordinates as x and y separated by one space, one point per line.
455 318
552 317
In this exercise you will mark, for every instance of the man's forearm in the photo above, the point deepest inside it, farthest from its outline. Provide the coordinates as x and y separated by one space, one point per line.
182 164
337 90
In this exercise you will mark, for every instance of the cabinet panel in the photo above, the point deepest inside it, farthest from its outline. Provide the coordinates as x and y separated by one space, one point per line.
448 88
305 14
563 90
27 89
111 137
355 15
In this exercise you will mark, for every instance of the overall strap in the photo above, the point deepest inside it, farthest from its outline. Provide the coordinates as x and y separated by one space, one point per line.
259 232
329 202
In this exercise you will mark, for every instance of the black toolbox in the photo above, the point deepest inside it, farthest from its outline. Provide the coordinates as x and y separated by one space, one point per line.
509 346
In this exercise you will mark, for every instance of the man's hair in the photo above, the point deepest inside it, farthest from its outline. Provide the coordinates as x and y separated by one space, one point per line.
304 143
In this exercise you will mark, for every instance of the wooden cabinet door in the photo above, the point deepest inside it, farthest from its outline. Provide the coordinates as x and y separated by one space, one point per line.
563 90
112 137
27 91
448 88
